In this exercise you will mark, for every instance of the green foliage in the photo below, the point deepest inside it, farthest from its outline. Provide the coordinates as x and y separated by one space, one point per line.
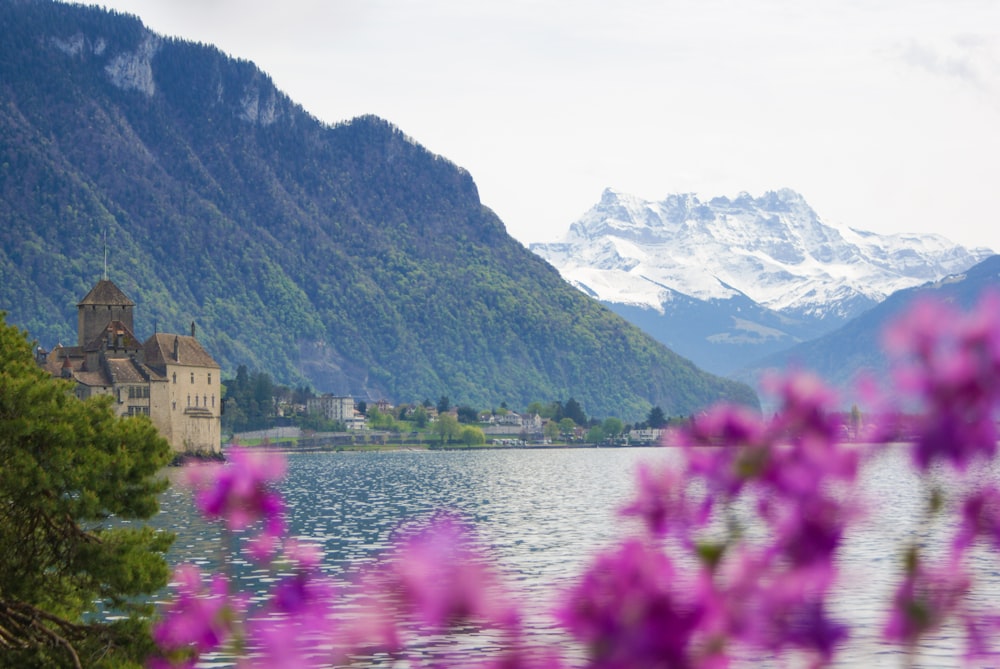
656 419
379 420
574 411
595 435
318 423
472 436
249 401
446 427
467 414
612 427
348 258
419 417
70 471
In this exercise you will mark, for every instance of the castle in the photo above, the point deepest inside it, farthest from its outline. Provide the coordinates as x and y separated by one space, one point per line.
169 377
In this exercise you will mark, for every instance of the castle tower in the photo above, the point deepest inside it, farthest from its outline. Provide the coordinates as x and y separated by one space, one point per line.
104 303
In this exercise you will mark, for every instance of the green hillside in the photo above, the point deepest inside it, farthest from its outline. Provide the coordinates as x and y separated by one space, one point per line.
346 257
842 357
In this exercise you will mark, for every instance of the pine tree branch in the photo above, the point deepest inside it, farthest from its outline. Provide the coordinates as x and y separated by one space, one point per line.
23 626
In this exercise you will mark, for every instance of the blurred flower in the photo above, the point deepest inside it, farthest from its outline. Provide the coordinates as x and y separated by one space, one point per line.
631 609
664 502
239 491
441 579
296 626
925 599
947 372
980 517
199 618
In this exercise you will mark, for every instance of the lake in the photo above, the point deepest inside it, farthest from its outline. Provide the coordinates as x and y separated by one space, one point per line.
544 512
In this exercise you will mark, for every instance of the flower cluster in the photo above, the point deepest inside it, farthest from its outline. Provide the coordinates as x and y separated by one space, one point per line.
737 556
947 372
198 620
435 580
784 480
241 492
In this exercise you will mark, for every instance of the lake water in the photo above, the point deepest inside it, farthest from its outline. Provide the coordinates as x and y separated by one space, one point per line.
544 513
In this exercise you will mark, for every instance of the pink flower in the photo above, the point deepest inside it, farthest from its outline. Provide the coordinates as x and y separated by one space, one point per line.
439 577
199 619
367 623
664 502
924 600
980 517
947 372
774 605
632 609
239 492
296 627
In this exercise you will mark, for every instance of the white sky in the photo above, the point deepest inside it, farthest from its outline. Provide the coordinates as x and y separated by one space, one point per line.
884 114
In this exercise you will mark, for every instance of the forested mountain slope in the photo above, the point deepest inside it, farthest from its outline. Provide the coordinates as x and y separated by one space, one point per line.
845 355
348 257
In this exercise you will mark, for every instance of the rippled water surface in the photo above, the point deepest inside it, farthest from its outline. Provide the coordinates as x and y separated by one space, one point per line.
543 514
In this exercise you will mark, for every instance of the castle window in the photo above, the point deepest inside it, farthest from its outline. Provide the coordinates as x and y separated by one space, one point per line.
173 405
138 392
189 400
210 378
213 401
192 377
196 400
175 377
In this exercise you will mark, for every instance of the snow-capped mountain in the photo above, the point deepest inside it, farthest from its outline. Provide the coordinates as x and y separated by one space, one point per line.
769 268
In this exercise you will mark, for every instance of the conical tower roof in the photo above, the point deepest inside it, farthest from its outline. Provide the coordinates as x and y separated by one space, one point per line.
106 293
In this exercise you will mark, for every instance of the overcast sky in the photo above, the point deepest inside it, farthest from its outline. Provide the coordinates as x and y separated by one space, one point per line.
884 114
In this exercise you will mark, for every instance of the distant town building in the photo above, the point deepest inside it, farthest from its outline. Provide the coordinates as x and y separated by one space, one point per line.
513 423
646 435
169 377
340 409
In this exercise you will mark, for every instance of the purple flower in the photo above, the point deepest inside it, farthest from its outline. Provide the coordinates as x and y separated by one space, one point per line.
924 600
632 609
664 502
441 579
296 628
947 372
760 602
199 619
239 492
980 517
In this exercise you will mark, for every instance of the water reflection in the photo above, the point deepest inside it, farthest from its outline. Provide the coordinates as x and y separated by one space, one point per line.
543 514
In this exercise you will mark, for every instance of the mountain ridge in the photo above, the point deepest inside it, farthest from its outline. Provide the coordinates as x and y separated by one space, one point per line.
804 276
842 357
346 256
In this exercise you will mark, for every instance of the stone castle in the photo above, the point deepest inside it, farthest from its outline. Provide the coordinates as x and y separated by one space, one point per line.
169 377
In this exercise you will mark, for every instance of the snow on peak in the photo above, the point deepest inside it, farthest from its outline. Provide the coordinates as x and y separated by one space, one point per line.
775 249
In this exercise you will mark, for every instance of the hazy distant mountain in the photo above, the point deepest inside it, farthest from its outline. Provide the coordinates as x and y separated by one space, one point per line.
349 257
840 356
725 281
